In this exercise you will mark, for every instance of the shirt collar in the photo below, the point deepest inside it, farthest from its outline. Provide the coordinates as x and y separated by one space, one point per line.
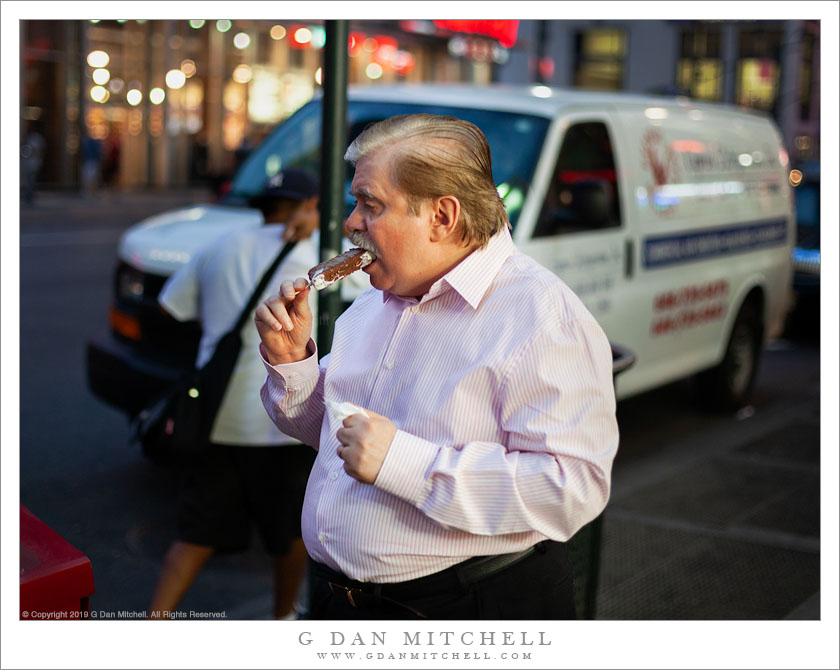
472 276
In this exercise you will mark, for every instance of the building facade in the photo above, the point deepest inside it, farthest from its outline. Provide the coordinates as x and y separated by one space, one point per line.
773 66
166 103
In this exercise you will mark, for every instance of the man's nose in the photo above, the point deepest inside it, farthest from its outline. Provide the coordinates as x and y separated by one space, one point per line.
353 222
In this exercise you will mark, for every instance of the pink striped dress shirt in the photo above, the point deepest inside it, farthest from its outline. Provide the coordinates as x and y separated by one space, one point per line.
500 384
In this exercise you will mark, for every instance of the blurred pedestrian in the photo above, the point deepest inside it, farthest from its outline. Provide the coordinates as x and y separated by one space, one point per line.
199 172
111 155
31 160
252 474
481 428
91 163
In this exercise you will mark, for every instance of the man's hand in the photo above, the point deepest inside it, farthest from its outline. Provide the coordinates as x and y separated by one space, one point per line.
284 323
364 443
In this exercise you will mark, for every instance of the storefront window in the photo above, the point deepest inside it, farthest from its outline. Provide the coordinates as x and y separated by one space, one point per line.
700 69
600 59
757 73
758 83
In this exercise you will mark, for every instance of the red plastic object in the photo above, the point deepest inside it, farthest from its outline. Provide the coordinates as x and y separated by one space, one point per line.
56 579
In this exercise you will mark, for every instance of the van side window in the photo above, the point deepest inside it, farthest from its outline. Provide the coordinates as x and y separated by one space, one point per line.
583 194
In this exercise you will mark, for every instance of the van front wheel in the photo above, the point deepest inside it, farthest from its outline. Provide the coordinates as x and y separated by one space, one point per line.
728 385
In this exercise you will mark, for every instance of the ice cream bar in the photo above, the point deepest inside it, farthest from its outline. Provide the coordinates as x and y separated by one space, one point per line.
338 267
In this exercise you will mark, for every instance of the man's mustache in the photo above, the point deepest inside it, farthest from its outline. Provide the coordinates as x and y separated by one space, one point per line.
359 239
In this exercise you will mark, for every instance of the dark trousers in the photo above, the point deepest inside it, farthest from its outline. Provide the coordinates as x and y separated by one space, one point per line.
540 586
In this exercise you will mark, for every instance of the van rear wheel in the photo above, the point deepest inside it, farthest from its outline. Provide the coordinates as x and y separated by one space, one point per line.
728 385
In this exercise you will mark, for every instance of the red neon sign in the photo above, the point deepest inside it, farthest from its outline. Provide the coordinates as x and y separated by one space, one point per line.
503 31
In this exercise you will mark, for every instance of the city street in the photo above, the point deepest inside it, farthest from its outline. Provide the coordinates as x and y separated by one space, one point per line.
712 516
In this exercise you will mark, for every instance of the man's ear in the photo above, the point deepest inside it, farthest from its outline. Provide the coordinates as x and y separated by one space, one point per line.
446 210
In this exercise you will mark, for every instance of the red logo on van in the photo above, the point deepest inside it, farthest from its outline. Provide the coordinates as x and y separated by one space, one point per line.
658 158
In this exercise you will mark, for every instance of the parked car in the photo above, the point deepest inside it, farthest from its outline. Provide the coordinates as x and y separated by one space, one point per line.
671 219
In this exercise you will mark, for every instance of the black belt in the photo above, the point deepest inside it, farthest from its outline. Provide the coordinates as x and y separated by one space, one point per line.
473 570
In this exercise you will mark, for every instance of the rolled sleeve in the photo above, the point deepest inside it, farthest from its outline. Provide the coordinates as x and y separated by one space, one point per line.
293 396
291 375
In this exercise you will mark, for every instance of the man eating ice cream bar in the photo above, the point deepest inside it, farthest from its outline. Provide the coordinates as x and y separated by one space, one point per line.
465 417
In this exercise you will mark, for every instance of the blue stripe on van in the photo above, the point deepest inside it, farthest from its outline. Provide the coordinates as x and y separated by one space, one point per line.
664 250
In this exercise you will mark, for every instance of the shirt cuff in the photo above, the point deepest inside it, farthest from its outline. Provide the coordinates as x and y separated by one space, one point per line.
289 375
404 471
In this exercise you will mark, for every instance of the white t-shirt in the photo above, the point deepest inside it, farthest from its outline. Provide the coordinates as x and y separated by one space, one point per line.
214 287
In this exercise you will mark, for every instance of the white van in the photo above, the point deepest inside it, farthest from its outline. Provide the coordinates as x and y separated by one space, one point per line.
671 219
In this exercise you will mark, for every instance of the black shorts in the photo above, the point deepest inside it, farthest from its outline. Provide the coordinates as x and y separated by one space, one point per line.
234 487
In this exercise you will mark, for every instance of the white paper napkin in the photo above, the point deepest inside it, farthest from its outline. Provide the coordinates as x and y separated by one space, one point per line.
341 410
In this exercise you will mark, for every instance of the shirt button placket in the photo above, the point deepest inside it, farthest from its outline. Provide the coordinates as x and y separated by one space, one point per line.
389 365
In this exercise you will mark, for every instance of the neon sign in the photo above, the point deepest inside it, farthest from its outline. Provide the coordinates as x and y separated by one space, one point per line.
503 31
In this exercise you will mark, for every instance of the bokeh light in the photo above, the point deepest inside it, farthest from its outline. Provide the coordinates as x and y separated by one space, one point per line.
157 96
101 76
98 59
242 74
175 79
277 32
196 23
319 37
223 25
373 71
99 94
134 97
188 67
241 40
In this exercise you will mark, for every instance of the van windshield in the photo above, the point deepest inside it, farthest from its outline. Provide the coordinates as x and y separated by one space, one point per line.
515 142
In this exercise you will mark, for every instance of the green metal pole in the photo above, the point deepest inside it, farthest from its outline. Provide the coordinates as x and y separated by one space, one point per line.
333 140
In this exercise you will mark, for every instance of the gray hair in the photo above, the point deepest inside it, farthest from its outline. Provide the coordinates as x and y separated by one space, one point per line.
436 156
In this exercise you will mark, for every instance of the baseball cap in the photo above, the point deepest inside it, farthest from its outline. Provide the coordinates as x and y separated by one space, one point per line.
290 184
